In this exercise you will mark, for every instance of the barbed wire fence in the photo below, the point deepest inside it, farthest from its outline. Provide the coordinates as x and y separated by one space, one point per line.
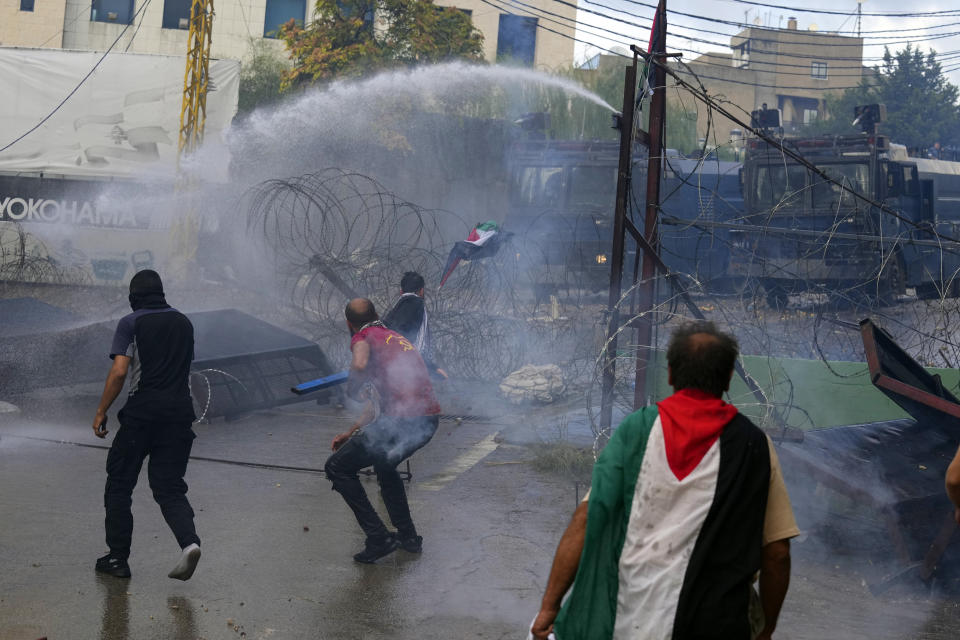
335 233
24 257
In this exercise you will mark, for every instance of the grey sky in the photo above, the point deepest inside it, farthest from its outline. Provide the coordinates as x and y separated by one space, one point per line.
921 29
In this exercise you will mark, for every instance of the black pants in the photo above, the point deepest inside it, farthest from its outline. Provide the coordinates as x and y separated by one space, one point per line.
383 444
168 446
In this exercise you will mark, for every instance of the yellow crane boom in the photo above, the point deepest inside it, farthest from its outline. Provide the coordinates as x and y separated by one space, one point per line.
184 234
193 113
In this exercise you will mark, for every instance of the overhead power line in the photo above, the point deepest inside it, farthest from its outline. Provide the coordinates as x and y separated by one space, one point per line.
819 45
876 14
540 13
733 23
890 40
626 39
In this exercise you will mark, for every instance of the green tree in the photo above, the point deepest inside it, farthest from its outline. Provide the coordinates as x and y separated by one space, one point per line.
921 104
261 75
356 37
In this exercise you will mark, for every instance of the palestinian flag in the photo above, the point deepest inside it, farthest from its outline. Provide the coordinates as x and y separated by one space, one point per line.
658 44
484 241
674 526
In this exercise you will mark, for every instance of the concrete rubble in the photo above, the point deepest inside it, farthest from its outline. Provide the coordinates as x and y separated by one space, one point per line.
543 383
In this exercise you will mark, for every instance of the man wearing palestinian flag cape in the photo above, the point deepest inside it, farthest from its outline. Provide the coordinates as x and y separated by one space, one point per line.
687 504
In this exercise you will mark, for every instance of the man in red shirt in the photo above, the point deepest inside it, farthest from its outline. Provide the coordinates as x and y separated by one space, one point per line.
400 417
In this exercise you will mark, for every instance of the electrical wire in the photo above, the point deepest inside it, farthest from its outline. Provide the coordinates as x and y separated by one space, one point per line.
888 40
875 14
530 9
613 52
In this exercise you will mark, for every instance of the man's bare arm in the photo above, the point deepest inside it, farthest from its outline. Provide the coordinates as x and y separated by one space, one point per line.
774 582
564 570
358 367
111 389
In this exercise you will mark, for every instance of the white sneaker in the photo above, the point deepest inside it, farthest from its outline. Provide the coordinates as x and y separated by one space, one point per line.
188 563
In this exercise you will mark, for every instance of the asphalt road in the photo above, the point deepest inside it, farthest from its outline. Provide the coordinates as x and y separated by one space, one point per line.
277 544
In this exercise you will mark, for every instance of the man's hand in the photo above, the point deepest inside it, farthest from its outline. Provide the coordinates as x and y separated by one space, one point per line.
338 441
543 624
111 389
442 373
956 514
100 425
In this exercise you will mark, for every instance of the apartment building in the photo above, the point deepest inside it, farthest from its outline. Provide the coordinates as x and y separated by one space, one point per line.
787 69
515 34
160 26
512 33
31 23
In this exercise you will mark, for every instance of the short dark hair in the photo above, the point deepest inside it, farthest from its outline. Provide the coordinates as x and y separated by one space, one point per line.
701 357
360 311
411 282
146 281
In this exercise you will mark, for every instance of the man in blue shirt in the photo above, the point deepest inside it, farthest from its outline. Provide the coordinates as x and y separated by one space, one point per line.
154 344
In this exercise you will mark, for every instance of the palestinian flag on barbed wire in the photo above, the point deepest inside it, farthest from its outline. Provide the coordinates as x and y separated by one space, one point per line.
674 526
484 241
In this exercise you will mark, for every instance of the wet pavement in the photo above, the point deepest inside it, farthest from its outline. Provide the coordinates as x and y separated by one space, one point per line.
277 543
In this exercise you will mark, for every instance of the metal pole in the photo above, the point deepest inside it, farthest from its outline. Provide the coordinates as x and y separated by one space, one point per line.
646 288
616 258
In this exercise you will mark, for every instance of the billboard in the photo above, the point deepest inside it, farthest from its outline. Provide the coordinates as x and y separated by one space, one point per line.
88 197
56 230
122 120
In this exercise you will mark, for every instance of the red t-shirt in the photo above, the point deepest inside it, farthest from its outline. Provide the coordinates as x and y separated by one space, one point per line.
397 371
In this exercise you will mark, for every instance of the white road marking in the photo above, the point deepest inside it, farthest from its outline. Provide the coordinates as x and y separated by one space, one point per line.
461 463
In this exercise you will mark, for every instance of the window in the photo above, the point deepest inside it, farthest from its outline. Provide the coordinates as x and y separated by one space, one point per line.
176 14
810 116
593 187
280 12
516 39
26 5
818 70
827 195
741 55
538 187
118 11
779 187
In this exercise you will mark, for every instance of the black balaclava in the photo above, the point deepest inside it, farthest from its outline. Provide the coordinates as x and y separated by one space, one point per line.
146 291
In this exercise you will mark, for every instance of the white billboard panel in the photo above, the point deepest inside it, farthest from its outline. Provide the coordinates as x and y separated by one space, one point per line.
122 121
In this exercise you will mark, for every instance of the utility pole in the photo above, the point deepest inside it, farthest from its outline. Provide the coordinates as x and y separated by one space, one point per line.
647 287
656 57
619 228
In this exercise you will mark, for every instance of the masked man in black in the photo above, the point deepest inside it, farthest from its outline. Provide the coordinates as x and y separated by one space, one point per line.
154 344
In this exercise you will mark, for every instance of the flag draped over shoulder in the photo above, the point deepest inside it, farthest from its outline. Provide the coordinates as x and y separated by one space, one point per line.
674 526
590 611
484 241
